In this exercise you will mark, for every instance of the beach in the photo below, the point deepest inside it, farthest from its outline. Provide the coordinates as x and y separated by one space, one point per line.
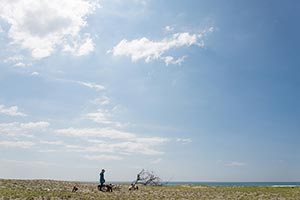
50 189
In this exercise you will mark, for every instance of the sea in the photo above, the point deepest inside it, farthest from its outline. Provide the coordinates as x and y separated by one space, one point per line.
272 184
269 184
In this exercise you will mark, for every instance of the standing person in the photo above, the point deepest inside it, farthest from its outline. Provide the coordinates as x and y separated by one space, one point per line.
102 180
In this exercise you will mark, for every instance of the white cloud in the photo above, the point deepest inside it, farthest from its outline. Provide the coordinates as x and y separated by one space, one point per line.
43 26
22 128
132 147
156 161
104 116
81 47
35 73
6 127
15 58
29 163
211 29
34 125
169 28
148 50
11 111
17 61
91 85
101 116
151 140
96 132
20 64
235 164
231 163
96 141
101 101
170 60
124 148
103 157
16 144
57 142
119 142
184 140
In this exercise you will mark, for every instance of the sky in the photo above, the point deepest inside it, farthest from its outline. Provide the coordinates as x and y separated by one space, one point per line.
196 90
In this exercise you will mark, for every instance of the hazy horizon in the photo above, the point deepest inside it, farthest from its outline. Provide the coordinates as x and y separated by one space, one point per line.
196 90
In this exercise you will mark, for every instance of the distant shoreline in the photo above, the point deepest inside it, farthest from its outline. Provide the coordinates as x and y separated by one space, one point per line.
270 184
273 184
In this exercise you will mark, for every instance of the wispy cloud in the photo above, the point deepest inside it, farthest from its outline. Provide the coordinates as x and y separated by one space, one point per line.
125 148
101 116
95 86
235 164
17 144
90 85
184 140
170 60
149 50
156 161
35 73
56 142
18 61
96 132
11 111
14 59
104 116
103 157
59 24
169 28
23 127
80 47
113 141
34 125
29 163
231 163
101 101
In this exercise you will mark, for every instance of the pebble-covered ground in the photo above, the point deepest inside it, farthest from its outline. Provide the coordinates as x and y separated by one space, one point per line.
48 190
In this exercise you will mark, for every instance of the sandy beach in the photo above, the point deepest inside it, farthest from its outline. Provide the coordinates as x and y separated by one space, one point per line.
49 189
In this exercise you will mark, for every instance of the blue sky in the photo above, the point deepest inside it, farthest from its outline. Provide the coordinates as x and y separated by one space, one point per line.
193 90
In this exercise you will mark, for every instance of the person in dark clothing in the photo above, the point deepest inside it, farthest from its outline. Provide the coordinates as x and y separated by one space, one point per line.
102 180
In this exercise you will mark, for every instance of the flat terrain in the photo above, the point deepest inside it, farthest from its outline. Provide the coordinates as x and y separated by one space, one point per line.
48 189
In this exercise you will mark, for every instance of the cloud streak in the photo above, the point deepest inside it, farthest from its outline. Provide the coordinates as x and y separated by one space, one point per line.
95 132
103 157
149 50
95 86
235 164
17 144
11 111
231 163
23 127
116 141
184 140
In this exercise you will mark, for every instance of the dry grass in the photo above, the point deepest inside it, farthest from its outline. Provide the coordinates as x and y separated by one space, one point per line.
48 190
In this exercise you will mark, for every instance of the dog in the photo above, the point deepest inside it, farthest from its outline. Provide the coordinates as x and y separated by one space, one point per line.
133 187
74 189
109 187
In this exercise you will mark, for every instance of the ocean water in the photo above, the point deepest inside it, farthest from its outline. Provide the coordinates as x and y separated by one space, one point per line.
274 184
